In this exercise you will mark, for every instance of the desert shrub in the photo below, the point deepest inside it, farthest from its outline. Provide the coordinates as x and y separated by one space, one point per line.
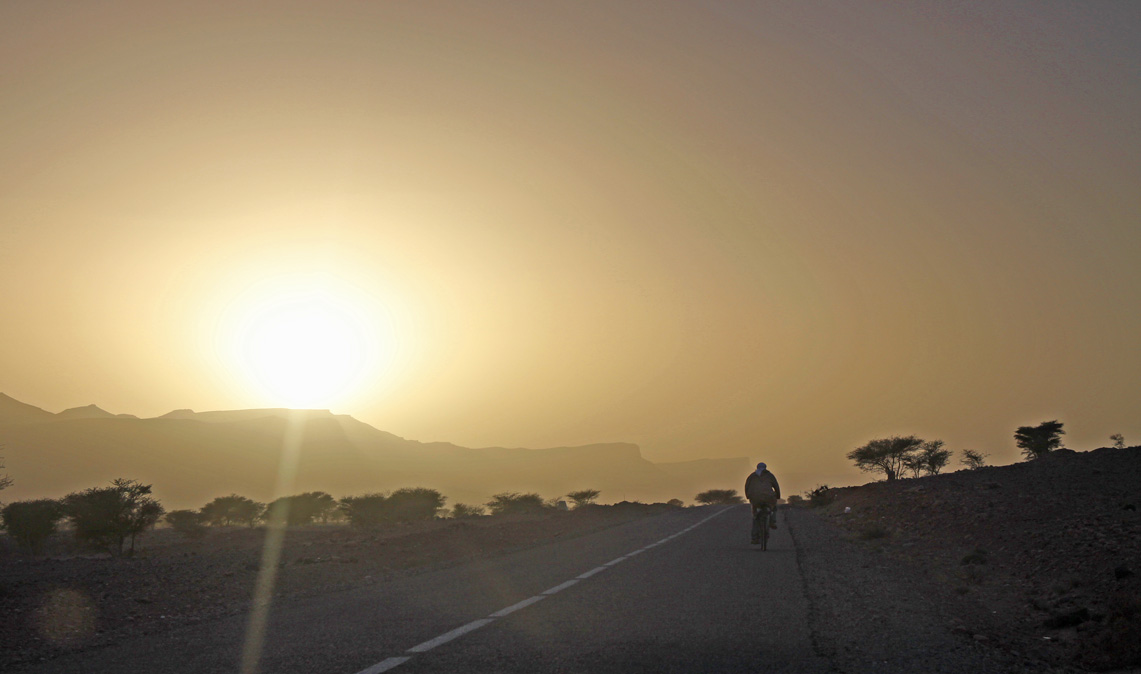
796 500
676 503
302 509
583 497
413 503
464 511
366 510
106 517
186 522
972 459
233 509
30 523
820 497
719 496
1038 441
513 503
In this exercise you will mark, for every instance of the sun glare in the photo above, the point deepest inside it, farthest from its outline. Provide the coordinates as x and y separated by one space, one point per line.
305 345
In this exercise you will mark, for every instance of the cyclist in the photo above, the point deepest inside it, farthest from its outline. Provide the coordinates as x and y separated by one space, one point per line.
761 489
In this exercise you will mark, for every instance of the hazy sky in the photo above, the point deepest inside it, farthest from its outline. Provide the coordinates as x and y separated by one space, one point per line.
773 229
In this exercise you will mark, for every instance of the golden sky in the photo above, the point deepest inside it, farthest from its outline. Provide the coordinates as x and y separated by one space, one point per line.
771 229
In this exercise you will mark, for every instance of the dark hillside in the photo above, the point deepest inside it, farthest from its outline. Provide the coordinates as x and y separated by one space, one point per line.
1040 558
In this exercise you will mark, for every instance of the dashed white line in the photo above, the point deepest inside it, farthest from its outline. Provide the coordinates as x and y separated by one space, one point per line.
561 586
515 607
391 663
588 574
448 636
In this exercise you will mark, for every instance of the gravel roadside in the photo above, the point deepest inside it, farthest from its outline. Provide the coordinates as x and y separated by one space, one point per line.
868 614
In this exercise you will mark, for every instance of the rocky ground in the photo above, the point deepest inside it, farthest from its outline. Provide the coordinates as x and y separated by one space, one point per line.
1039 560
70 601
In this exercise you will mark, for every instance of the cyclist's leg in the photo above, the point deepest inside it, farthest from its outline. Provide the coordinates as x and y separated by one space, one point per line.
755 534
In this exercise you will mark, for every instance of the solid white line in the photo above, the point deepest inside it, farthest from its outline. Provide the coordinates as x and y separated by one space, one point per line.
588 574
385 665
448 636
515 607
636 552
561 586
615 561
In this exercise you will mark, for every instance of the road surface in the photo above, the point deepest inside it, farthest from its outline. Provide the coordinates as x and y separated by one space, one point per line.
680 592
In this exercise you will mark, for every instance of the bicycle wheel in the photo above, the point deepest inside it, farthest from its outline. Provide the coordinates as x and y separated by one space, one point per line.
764 529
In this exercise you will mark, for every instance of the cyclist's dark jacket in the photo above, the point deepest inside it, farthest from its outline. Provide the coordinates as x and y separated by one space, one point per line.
762 488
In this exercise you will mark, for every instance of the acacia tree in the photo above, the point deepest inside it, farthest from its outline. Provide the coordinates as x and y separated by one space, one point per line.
303 508
1118 441
232 509
973 459
109 516
887 455
1038 441
719 496
933 457
30 523
583 497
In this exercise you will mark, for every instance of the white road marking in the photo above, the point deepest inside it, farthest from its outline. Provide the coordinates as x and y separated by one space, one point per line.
515 607
391 663
588 574
448 636
561 586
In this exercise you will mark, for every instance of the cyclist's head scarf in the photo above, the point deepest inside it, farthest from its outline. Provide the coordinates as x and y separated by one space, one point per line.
761 468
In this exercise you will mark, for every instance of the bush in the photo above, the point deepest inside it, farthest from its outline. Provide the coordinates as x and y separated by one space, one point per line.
366 510
413 503
30 523
583 497
513 503
302 509
232 509
676 503
186 522
820 497
464 511
796 500
719 497
107 517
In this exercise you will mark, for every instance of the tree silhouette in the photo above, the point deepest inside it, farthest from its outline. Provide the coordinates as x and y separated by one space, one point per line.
464 511
511 503
887 455
1118 441
233 509
109 516
583 497
719 496
186 522
30 523
303 508
1038 441
973 459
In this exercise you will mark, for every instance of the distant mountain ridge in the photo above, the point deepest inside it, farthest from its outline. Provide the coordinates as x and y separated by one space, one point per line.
191 457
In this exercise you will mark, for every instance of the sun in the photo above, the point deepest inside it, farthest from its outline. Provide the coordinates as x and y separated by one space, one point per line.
308 344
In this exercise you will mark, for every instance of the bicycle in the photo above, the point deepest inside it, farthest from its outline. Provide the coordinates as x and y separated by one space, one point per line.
760 533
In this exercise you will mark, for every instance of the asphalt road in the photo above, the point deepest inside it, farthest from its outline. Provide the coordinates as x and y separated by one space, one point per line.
693 597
